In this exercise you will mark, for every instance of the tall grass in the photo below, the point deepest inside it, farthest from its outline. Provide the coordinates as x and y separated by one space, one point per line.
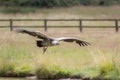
20 55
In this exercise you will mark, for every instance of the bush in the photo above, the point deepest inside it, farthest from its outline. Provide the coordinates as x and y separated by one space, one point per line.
106 2
56 3
17 10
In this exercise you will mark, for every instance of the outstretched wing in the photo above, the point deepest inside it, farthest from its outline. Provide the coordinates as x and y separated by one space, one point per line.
72 39
33 33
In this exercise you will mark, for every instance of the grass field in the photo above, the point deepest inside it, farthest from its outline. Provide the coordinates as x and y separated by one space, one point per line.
19 52
20 55
67 13
109 12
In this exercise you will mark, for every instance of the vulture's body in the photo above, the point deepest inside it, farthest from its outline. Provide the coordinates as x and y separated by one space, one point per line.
46 41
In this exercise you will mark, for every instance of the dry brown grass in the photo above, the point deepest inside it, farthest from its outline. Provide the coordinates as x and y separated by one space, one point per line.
21 49
111 12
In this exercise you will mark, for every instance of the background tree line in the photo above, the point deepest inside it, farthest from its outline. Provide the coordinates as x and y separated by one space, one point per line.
57 3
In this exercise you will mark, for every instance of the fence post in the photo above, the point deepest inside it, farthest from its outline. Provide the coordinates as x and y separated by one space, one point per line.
80 24
45 25
116 25
11 25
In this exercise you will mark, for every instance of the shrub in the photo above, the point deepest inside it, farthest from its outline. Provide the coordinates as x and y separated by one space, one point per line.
17 10
56 3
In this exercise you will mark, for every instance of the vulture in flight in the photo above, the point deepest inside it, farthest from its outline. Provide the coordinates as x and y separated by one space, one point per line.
46 41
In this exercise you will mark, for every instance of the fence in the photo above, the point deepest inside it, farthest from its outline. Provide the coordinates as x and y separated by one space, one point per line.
60 23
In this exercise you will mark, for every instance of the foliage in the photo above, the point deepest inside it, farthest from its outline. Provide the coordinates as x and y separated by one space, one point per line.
24 6
56 3
17 10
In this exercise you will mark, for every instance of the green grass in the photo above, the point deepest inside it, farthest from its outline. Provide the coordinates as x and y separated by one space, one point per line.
71 12
51 72
77 10
15 10
80 12
20 55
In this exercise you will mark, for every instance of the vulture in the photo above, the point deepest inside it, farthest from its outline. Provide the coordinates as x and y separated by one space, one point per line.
46 41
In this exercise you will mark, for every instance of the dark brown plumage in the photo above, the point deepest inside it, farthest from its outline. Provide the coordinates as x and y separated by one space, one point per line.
46 41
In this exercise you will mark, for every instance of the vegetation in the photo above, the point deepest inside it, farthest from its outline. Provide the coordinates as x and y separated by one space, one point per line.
66 60
20 57
51 72
56 3
25 6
